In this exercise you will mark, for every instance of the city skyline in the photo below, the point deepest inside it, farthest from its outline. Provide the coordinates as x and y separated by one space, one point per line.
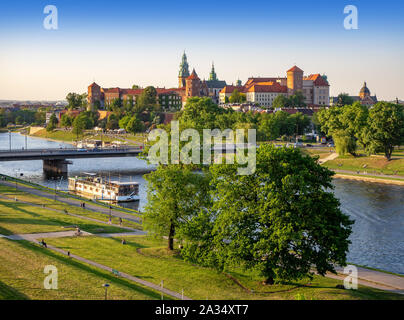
133 43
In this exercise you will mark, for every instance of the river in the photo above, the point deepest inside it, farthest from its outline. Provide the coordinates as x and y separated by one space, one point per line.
378 209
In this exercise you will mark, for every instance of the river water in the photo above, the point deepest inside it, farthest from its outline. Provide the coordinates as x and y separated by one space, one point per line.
378 209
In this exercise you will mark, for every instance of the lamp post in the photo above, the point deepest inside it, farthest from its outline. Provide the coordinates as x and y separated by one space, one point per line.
9 138
106 285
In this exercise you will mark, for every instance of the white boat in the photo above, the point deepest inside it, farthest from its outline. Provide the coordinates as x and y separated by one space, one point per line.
98 189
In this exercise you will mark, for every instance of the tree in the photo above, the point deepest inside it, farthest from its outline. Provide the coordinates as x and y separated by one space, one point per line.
66 121
385 128
346 125
279 221
175 195
134 125
297 100
135 86
113 122
79 125
74 100
280 101
147 100
300 122
269 128
344 99
53 121
124 122
237 97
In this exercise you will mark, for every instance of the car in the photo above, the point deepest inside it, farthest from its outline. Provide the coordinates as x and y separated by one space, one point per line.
331 145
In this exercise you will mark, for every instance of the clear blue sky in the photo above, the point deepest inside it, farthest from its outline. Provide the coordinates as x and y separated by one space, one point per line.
120 43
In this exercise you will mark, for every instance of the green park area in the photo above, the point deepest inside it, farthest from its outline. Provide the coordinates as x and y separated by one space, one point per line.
34 214
143 257
68 136
22 276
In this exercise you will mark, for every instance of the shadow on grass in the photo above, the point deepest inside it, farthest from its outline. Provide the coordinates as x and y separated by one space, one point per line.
9 293
79 265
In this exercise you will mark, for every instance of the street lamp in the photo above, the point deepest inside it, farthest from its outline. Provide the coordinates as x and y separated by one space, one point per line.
9 138
106 285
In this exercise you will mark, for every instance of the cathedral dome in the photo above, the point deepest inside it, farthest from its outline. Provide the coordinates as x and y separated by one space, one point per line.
364 90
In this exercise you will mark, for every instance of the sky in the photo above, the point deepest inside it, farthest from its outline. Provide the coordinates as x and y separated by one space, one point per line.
121 43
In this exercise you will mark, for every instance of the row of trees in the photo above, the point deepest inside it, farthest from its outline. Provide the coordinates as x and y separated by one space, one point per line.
279 221
375 129
133 115
202 113
22 117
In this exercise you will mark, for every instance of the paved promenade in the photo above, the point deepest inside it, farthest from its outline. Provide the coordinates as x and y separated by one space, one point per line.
74 202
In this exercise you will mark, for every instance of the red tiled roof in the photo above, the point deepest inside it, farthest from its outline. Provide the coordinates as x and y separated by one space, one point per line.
193 76
275 87
295 69
230 89
93 85
317 79
255 80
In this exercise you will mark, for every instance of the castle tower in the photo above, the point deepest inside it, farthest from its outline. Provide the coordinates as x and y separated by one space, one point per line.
365 92
94 94
184 71
294 80
192 85
212 74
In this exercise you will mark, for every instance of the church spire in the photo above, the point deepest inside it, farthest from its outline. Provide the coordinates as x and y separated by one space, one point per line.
184 68
212 75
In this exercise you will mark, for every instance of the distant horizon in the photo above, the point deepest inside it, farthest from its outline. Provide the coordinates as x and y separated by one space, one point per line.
142 43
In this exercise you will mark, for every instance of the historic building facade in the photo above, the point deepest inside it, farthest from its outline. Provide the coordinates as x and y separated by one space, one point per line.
364 97
262 91
168 99
193 86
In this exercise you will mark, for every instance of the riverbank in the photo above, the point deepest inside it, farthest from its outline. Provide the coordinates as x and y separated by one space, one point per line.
373 179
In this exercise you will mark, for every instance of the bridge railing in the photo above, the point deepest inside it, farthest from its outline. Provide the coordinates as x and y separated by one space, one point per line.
73 150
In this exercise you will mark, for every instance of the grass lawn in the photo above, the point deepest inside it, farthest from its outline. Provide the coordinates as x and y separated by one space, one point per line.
68 136
148 259
372 164
18 217
51 203
22 276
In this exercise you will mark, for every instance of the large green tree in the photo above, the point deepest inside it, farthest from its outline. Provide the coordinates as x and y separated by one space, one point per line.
281 221
385 128
344 99
237 97
175 195
147 100
75 100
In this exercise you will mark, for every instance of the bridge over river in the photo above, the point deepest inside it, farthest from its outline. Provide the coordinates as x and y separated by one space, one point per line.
55 160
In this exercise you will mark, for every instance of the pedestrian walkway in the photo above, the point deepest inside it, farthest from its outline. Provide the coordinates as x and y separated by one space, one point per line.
124 275
47 235
332 156
69 214
122 234
75 202
386 280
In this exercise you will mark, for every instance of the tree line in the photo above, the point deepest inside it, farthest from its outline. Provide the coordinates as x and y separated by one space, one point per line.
376 129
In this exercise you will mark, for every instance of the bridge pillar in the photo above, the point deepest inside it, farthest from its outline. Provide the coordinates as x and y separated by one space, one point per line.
55 168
